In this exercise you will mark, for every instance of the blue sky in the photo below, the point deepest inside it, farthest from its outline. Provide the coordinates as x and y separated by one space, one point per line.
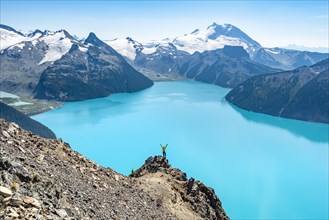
271 23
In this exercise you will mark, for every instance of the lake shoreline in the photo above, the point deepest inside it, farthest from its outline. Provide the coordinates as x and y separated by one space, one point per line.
210 140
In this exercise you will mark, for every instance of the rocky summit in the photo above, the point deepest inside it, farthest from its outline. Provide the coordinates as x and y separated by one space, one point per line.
45 179
177 193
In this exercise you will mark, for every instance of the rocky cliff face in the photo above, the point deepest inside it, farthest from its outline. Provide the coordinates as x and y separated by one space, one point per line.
45 179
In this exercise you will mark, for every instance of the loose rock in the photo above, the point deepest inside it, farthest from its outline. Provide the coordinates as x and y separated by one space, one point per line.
5 192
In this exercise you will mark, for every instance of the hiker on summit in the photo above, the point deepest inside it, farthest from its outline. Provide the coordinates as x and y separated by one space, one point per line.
164 150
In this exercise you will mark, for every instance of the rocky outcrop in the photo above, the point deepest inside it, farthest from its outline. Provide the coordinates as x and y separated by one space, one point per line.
189 197
45 179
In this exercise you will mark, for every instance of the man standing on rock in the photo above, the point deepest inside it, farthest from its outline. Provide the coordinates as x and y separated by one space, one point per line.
164 150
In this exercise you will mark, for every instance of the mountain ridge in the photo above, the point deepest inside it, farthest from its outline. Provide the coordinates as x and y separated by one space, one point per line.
214 37
31 67
225 67
301 94
217 36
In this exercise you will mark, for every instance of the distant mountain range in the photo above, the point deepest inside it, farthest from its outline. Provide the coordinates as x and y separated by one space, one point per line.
301 94
303 48
214 37
55 65
225 67
58 66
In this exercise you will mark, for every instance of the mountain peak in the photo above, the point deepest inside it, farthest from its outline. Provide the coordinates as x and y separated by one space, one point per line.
216 30
130 40
224 26
214 24
74 47
93 39
195 31
96 42
37 31
67 34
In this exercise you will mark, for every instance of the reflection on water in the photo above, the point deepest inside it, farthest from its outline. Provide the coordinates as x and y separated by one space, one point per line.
318 132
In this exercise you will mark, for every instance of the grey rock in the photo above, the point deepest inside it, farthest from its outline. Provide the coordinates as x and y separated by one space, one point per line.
5 133
12 214
15 200
61 213
5 192
15 168
31 201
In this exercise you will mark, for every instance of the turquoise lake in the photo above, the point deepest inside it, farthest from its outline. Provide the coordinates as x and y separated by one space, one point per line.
261 167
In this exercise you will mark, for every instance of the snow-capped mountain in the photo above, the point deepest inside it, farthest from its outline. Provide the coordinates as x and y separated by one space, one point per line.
24 59
89 70
127 47
161 58
9 36
214 37
57 43
55 65
155 59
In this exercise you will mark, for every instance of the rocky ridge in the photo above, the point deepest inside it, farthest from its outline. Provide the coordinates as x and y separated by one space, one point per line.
45 179
301 94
